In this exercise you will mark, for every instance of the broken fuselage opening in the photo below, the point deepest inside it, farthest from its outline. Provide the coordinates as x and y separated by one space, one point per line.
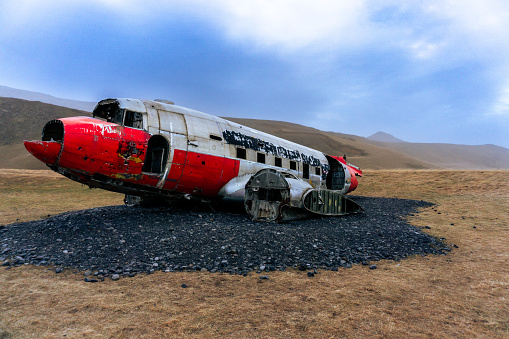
266 193
110 111
336 176
53 131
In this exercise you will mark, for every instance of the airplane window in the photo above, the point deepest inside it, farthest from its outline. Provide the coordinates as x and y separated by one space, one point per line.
241 153
317 170
215 137
293 165
260 157
278 162
305 171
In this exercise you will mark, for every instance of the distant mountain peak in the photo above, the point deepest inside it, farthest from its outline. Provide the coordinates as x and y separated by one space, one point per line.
384 137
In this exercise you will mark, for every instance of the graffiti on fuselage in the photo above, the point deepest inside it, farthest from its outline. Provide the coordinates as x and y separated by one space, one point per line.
246 141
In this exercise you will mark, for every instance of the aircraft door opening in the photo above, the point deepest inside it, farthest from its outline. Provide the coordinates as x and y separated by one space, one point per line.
157 155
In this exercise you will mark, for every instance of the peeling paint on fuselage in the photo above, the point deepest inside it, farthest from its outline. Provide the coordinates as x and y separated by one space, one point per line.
130 150
239 139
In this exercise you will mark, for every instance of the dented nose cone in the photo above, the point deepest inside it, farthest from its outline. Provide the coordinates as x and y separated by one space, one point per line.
45 151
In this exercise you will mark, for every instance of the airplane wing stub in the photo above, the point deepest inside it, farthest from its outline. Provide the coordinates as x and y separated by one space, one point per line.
328 202
273 195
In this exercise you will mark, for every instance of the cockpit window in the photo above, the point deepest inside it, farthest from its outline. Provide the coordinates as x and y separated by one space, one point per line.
133 119
110 112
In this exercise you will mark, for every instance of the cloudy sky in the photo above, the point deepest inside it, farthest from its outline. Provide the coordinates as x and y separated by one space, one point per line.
424 71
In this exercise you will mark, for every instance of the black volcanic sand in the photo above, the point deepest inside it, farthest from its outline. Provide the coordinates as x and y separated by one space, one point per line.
122 241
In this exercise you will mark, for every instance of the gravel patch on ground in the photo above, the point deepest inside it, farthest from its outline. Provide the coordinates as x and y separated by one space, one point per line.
121 241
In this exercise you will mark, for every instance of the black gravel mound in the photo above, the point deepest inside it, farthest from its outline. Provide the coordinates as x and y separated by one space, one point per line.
122 241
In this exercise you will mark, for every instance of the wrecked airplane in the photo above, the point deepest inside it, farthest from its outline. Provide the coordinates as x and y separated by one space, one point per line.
155 149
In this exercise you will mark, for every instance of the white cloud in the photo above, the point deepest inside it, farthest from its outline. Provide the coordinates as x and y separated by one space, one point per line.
476 28
279 24
424 50
295 25
292 25
426 28
487 20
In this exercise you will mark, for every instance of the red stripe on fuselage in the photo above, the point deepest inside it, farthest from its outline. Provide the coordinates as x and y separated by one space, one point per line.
203 174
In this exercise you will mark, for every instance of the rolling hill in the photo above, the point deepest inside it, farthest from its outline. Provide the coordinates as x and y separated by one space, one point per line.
359 150
22 119
9 92
476 157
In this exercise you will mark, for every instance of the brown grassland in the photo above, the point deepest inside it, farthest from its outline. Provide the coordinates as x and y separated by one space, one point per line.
462 294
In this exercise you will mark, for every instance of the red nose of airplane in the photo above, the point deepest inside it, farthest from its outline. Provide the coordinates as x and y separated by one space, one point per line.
45 151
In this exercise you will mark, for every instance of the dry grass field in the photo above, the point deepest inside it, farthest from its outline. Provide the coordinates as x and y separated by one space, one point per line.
31 195
462 294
